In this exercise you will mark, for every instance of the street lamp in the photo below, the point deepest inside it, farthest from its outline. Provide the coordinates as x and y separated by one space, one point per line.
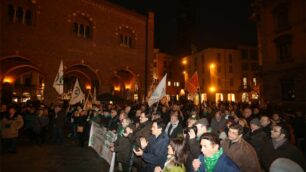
212 89
212 66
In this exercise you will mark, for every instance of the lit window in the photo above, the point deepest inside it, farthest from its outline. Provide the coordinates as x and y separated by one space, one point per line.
169 83
231 97
177 84
245 82
219 97
254 81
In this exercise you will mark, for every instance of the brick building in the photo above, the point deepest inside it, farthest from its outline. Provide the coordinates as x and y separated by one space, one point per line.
104 45
164 63
281 43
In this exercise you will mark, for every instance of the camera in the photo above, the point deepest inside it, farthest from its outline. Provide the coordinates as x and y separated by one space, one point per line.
194 128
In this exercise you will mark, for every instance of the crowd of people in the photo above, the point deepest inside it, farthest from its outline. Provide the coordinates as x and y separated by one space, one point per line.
174 137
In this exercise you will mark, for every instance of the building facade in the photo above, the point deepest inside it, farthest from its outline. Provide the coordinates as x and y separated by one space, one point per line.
281 43
164 63
225 74
106 46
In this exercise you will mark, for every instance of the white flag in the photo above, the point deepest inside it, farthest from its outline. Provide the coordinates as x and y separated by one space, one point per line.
77 94
159 92
58 83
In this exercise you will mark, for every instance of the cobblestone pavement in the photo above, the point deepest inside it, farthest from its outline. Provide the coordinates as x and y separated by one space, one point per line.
68 157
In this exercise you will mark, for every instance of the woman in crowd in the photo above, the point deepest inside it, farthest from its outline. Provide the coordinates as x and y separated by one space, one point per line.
212 158
177 155
11 123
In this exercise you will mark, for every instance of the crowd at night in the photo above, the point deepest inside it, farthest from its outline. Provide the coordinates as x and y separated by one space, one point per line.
152 86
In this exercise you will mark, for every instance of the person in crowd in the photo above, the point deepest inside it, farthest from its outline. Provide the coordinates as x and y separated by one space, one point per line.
3 111
154 151
218 123
11 124
276 119
29 118
155 115
246 128
285 165
143 130
174 128
212 158
193 140
257 136
298 123
40 126
177 155
279 147
122 145
266 125
165 114
81 122
58 120
247 114
240 151
114 121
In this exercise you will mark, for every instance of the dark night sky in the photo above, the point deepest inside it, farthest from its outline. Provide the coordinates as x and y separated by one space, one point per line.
203 23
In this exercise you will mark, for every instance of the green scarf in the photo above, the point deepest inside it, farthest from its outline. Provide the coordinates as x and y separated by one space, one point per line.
210 162
120 131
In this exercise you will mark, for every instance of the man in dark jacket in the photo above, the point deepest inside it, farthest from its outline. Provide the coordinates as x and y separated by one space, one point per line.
143 130
279 147
257 137
154 152
266 125
174 128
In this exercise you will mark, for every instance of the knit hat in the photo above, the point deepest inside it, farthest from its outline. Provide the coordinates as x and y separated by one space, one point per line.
255 121
285 165
202 121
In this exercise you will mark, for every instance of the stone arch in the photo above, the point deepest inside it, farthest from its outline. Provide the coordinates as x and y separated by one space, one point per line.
21 75
86 74
124 82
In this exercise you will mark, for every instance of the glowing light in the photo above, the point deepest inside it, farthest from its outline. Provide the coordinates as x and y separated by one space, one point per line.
127 86
8 80
182 92
212 89
184 72
184 62
117 88
212 66
88 87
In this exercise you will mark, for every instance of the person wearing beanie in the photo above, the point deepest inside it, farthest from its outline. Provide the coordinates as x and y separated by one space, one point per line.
285 165
257 137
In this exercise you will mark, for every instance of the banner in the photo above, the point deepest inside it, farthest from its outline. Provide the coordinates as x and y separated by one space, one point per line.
159 92
193 85
77 94
58 83
100 139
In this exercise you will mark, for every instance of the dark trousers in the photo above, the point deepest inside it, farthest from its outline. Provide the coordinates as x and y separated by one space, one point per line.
9 145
